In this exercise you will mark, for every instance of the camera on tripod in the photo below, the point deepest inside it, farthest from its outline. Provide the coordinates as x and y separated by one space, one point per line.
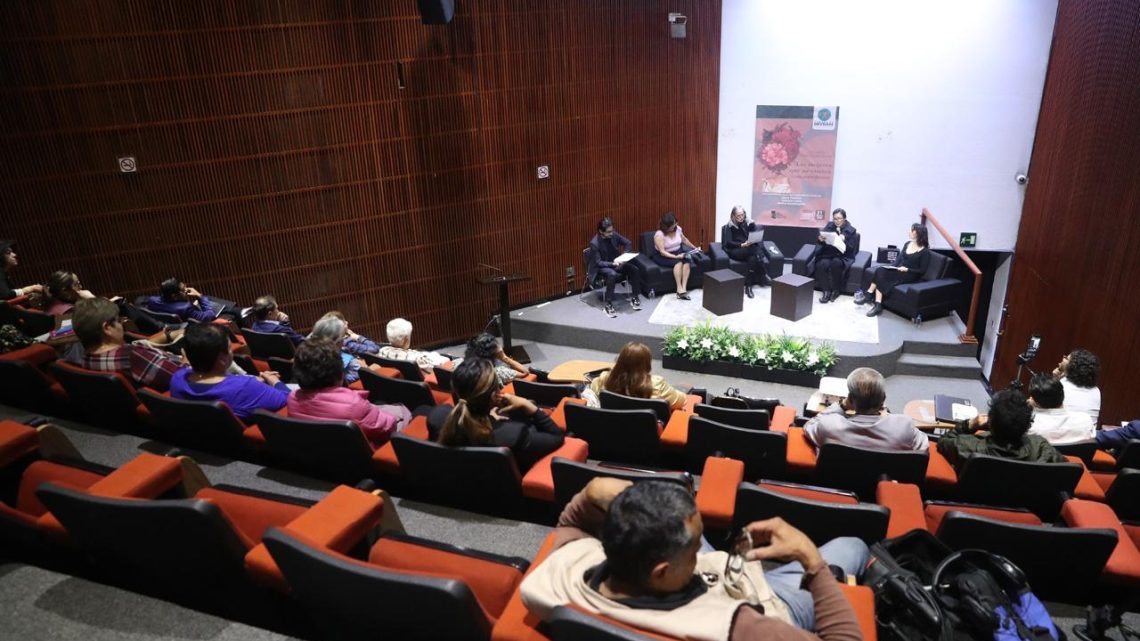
1023 359
1030 350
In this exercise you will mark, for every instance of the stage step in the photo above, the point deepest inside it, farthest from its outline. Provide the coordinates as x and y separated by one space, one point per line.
938 365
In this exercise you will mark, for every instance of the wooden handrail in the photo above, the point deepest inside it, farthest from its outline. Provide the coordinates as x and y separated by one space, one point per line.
969 336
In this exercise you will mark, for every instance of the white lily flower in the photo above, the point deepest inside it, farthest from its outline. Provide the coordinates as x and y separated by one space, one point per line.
733 351
788 356
706 343
762 355
683 344
812 358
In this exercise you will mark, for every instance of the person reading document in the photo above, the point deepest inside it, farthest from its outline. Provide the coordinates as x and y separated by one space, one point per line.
607 251
742 242
831 260
909 266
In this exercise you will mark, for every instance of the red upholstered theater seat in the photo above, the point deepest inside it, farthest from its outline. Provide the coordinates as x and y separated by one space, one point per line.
104 399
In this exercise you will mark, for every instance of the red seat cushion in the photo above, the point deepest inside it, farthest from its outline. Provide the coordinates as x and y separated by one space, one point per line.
16 441
716 498
44 471
539 480
904 500
492 583
1123 566
811 493
251 515
801 453
384 458
935 512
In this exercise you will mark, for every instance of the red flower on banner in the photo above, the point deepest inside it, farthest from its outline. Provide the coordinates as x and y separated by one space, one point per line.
779 147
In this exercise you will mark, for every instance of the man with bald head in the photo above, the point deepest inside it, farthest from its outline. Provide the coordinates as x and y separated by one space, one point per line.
859 420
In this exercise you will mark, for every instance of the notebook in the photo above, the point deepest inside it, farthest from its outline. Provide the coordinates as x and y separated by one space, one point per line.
948 409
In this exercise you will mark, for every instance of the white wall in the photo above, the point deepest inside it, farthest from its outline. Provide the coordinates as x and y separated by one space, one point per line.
937 101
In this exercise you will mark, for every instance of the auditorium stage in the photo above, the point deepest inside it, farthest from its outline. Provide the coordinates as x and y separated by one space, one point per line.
891 344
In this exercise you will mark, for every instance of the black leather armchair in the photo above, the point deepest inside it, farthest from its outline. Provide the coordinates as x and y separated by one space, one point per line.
660 279
932 296
723 260
854 272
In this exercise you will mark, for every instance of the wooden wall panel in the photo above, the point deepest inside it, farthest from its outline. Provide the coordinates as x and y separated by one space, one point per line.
1074 269
279 154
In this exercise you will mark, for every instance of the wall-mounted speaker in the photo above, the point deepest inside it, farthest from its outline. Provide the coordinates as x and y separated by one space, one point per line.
437 11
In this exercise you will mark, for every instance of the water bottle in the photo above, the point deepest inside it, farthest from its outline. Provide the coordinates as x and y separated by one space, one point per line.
652 293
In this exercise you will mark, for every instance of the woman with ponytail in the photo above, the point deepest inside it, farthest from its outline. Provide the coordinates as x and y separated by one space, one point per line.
484 415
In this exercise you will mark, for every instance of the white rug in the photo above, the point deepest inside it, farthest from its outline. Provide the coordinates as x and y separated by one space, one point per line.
842 320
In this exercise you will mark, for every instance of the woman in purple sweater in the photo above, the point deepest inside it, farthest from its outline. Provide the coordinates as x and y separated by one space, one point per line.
207 348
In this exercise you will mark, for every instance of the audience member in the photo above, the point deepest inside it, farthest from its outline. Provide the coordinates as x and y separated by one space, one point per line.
400 337
631 376
96 323
176 299
62 291
8 262
484 415
487 346
1112 439
207 347
333 327
1051 420
869 426
268 318
354 343
319 371
1079 372
633 554
1008 423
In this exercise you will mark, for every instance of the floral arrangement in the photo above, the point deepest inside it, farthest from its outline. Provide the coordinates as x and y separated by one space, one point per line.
779 147
707 342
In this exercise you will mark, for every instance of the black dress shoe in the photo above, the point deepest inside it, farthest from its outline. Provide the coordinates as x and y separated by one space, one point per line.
875 310
826 298
748 292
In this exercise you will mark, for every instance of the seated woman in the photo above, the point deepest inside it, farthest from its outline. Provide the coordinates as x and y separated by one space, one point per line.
487 346
909 266
400 337
672 248
354 343
630 376
319 371
62 291
486 416
207 347
8 262
333 327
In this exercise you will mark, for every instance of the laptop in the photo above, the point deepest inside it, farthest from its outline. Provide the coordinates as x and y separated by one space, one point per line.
949 409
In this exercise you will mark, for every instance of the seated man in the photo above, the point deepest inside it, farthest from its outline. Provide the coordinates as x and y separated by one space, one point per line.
606 246
869 427
176 299
97 326
1111 439
207 348
647 570
268 318
1050 418
400 337
1008 424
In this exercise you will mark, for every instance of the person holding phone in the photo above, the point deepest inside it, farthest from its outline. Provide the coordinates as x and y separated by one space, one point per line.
675 252
737 245
909 266
485 416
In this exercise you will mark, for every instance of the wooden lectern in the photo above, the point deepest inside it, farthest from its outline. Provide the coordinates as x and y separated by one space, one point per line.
503 281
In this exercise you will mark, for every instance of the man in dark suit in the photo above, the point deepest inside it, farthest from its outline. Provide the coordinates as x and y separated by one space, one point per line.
828 265
737 246
605 247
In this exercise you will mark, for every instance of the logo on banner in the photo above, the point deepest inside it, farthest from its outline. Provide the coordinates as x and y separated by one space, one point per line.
824 119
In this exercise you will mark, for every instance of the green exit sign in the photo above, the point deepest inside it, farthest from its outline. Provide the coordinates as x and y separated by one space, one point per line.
968 239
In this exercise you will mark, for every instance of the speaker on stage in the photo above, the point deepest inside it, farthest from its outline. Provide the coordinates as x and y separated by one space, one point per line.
437 11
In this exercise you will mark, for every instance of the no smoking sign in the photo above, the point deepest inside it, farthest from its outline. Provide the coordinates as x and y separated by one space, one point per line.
128 165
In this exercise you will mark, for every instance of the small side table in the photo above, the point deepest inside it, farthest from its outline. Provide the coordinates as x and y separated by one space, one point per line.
792 296
723 292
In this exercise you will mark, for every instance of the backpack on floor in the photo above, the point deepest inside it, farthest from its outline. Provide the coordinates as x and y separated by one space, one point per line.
899 571
987 596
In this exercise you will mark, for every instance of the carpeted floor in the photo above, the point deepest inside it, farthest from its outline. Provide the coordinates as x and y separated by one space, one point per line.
842 320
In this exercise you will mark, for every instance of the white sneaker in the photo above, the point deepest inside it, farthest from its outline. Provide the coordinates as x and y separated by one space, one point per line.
610 311
635 303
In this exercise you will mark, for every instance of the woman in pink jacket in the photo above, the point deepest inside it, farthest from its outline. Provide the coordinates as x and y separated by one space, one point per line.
317 368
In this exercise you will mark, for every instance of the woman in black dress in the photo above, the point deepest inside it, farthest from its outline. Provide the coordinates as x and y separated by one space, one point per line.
909 266
483 415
